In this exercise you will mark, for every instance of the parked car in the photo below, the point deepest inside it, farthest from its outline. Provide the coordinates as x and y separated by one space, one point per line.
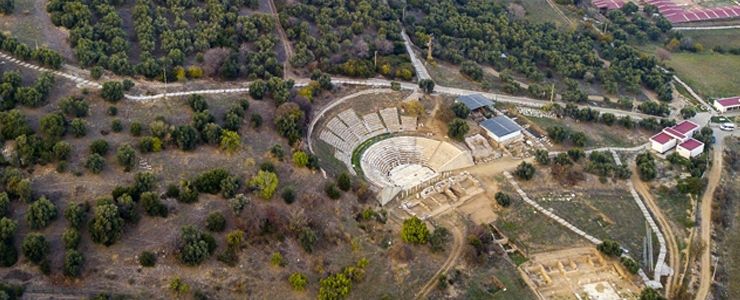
727 126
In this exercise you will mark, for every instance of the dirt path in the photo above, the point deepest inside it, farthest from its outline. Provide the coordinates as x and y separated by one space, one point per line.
705 279
674 258
457 247
560 12
287 72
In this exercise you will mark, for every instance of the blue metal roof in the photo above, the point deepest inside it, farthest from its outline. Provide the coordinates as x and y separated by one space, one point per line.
500 125
475 101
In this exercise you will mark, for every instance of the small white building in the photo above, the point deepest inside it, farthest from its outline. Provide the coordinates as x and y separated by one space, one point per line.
502 129
727 104
690 148
662 142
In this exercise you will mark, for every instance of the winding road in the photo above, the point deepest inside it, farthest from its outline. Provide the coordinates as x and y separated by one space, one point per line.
457 247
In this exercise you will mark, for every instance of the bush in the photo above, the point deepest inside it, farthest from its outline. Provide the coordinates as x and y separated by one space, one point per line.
288 195
439 238
106 226
95 163
610 247
331 191
542 157
344 182
75 214
414 231
73 261
525 171
298 281
71 238
457 129
460 110
265 182
136 129
35 247
216 222
336 286
41 213
152 205
147 259
277 260
630 264
99 147
112 91
195 246
300 159
503 199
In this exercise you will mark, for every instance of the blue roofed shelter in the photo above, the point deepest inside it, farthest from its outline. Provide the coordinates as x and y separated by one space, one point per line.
475 101
502 129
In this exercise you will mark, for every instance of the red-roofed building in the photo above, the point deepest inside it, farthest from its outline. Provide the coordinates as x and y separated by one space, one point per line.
608 4
662 142
674 133
690 148
686 128
727 104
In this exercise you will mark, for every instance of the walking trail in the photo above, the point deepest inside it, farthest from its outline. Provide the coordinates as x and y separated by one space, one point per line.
457 247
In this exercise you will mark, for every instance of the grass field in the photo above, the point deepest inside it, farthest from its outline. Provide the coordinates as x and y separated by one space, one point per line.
538 11
728 38
712 75
599 135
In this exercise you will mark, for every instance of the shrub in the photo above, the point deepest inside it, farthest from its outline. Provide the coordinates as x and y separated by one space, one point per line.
503 199
216 222
457 129
75 214
460 110
230 141
331 191
630 264
126 157
136 128
414 231
95 163
277 260
152 205
300 159
116 125
336 286
610 247
112 91
542 157
525 171
288 195
106 226
147 259
344 182
265 182
439 238
99 147
298 281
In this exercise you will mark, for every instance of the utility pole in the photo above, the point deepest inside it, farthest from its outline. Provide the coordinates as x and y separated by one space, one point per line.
376 59
164 74
429 48
552 93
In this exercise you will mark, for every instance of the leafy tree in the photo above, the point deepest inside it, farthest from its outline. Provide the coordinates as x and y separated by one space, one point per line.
258 89
152 205
630 264
126 157
542 156
575 154
457 129
7 6
73 261
298 281
336 286
147 259
195 246
116 125
210 181
95 163
288 195
53 125
238 203
179 287
558 134
288 120
112 91
61 150
136 129
461 110
99 147
265 182
41 213
472 70
8 253
7 229
4 205
230 141
524 171
503 199
197 103
414 231
688 112
187 192
35 247
646 166
106 226
74 106
150 144
216 222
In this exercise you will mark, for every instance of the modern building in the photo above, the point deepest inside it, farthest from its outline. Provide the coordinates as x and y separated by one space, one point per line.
678 135
690 148
475 102
727 104
502 129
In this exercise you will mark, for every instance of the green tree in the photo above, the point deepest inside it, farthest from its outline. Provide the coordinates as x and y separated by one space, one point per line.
95 163
334 287
461 110
41 213
344 182
106 226
300 159
112 91
457 129
53 125
78 127
186 137
216 222
265 182
503 199
71 238
439 239
99 147
126 157
426 85
152 205
35 247
195 246
610 247
542 156
525 171
258 89
298 281
414 231
4 205
147 259
650 294
73 261
75 213
230 141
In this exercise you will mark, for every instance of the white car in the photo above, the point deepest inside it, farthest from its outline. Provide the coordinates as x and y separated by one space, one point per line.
727 126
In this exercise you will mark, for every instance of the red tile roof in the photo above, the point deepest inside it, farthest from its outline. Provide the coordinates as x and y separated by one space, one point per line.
685 127
662 138
608 4
729 102
681 14
691 144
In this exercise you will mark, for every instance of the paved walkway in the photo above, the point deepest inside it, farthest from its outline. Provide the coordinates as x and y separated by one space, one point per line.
81 82
660 262
421 71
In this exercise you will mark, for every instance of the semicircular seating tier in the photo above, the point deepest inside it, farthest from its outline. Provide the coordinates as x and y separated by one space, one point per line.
347 130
